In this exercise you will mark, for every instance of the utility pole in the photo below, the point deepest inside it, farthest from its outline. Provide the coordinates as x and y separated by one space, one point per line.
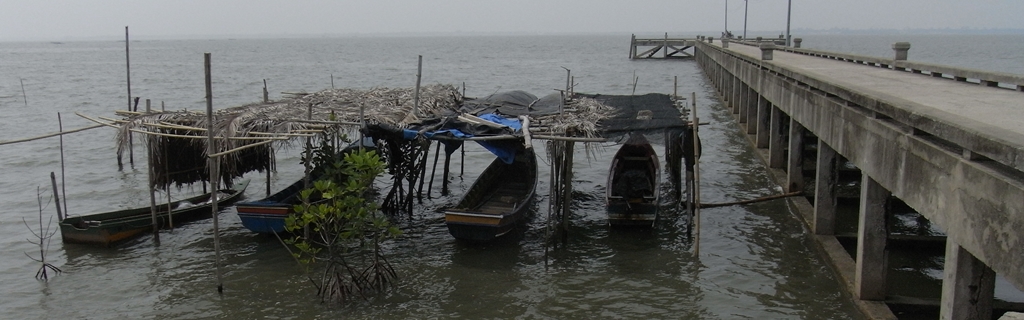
726 19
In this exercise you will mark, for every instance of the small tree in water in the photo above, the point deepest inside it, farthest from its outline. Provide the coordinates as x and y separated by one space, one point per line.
336 226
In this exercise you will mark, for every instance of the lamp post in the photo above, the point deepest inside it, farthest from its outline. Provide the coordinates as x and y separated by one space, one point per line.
789 13
744 19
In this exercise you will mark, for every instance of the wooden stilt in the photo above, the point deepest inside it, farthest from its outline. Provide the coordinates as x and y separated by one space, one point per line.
444 182
60 126
567 189
150 171
214 167
696 173
56 196
266 94
433 171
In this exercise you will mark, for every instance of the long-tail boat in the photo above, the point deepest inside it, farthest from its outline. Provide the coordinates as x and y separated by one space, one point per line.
632 191
496 201
109 228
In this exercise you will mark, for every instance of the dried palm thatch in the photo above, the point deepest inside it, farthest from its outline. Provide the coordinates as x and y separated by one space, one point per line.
247 135
178 140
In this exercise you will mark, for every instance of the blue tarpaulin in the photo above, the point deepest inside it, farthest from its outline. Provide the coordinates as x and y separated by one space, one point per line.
500 150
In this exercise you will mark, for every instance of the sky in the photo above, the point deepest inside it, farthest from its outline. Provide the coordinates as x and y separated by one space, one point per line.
55 20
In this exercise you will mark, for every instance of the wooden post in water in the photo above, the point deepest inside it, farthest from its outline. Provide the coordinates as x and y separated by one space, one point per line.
416 96
433 171
567 189
214 167
266 94
444 183
696 172
128 71
150 170
63 181
56 196
462 162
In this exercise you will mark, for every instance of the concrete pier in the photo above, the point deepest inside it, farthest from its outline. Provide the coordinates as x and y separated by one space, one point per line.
946 141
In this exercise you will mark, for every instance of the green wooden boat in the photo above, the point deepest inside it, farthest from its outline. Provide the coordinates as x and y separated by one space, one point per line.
109 228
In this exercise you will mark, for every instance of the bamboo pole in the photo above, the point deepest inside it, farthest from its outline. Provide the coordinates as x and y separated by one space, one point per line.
61 133
462 161
567 189
444 183
266 94
416 96
23 95
573 139
696 172
56 198
433 171
128 79
63 181
527 140
152 188
214 167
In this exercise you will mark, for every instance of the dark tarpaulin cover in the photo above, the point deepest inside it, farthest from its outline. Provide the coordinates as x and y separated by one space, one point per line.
652 112
514 103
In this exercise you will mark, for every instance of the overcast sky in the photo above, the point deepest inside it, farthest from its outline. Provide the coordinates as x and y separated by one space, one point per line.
49 20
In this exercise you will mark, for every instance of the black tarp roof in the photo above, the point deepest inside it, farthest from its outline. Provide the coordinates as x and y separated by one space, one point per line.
650 112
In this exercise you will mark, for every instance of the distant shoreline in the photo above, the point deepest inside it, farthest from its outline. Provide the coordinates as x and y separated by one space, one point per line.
802 32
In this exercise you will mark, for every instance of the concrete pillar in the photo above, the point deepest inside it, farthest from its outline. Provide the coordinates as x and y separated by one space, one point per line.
751 106
763 123
871 269
776 150
758 39
901 48
797 41
795 181
826 179
968 286
736 85
744 102
725 42
767 50
711 39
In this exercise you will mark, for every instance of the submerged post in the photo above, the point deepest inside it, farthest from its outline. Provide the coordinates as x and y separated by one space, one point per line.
214 169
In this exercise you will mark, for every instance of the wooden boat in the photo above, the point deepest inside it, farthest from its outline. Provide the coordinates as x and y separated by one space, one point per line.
496 201
267 215
632 192
112 227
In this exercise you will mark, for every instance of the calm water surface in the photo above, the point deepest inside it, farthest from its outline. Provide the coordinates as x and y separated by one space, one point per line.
754 261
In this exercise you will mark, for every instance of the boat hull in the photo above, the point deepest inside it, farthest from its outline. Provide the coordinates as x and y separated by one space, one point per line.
263 219
106 229
632 191
496 202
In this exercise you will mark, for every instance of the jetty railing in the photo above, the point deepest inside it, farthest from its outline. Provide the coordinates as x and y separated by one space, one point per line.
899 62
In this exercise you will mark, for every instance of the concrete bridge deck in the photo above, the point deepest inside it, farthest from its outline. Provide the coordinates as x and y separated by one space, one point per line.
949 142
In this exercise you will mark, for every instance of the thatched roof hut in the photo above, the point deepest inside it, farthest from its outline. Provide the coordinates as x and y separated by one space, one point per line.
247 135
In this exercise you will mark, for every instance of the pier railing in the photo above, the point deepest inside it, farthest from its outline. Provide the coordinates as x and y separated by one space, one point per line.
986 78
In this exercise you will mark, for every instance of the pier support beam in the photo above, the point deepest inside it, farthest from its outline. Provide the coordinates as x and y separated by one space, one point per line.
735 92
795 170
751 106
776 152
826 177
763 123
872 259
744 102
968 286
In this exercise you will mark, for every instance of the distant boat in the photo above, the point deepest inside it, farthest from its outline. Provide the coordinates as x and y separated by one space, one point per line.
496 201
267 215
112 227
632 191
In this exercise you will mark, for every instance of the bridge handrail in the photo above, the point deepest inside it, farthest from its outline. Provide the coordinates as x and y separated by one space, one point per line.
989 78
